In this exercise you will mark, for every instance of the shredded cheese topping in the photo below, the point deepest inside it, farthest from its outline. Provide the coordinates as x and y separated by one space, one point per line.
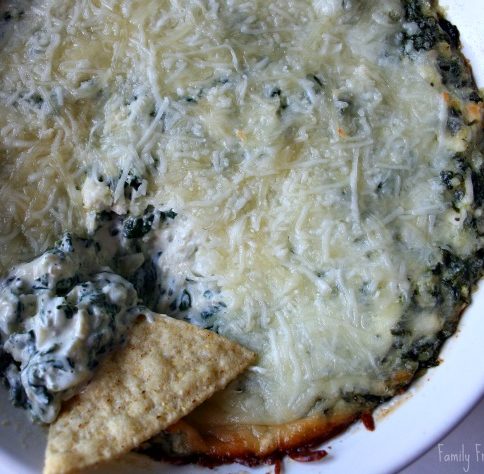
300 150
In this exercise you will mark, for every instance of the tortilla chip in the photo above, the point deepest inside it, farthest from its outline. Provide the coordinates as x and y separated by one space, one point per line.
166 369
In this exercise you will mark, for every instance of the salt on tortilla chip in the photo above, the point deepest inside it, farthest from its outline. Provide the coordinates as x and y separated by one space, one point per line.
166 369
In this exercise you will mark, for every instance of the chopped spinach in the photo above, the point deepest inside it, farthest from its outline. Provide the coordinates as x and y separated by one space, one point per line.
454 120
36 99
412 9
458 274
65 243
145 281
171 214
424 351
446 177
65 285
136 227
41 283
318 83
427 33
453 72
478 187
451 31
211 311
133 182
68 309
276 92
364 399
475 97
185 301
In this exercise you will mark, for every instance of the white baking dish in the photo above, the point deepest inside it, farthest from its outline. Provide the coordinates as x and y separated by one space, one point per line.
406 428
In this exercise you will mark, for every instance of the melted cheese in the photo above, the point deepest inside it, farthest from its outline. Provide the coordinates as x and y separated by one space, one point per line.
301 151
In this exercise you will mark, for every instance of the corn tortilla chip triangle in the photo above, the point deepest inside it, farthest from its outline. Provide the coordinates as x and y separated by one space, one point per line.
166 369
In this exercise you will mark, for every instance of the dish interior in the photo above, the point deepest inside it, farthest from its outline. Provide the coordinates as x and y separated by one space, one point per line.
411 416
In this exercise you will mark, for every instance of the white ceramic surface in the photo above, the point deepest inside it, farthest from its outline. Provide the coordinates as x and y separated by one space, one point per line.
405 429
467 440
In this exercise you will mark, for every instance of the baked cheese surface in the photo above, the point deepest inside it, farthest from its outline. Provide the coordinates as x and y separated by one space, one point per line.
320 159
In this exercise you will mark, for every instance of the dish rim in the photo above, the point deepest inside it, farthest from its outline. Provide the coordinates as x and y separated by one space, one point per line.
460 13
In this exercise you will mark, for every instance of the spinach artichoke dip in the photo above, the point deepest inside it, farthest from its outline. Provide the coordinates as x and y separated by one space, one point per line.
304 177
